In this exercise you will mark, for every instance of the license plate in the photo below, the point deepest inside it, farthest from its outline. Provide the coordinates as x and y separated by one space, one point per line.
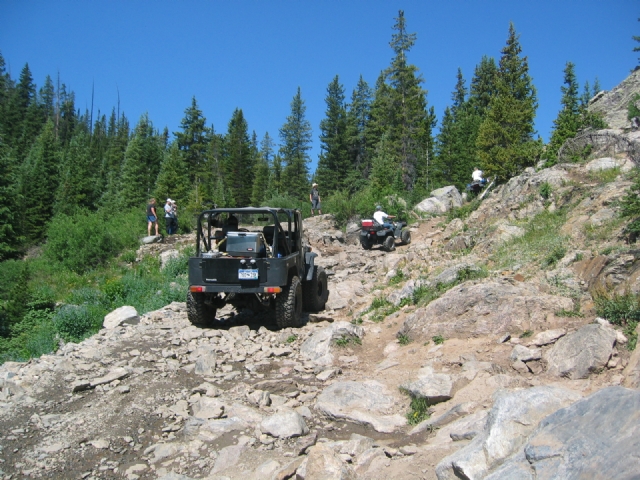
247 274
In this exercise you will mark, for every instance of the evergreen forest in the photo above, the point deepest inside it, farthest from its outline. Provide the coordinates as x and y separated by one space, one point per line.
74 184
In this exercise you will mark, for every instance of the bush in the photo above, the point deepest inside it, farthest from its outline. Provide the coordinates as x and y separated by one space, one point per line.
84 241
76 322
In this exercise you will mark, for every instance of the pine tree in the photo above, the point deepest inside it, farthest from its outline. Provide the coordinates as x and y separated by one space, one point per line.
173 178
38 183
333 164
399 109
238 164
193 140
359 142
142 161
505 138
111 168
567 122
10 241
295 136
78 177
22 96
262 172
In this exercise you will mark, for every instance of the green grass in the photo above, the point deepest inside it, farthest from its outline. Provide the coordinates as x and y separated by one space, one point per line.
404 339
345 341
620 309
541 242
526 334
36 325
604 176
438 339
464 211
418 409
291 338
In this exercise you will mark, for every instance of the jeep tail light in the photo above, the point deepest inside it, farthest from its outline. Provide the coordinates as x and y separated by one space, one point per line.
196 289
272 289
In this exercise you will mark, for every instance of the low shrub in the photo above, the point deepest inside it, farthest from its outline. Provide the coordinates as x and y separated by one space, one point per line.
76 322
619 309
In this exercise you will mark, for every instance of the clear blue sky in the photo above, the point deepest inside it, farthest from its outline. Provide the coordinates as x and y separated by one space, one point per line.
253 54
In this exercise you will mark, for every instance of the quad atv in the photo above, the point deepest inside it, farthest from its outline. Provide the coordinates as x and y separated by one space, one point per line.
253 258
374 233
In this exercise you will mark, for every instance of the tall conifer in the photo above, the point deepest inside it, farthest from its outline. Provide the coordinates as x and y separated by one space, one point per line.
505 139
334 164
295 137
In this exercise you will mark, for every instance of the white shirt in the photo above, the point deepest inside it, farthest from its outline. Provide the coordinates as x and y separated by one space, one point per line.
167 210
380 216
476 175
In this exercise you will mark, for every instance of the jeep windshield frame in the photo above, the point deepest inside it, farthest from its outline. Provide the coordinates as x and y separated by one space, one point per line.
210 222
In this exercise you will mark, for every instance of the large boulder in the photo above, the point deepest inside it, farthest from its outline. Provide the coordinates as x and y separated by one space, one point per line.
120 316
366 403
488 308
614 104
512 418
581 353
441 201
596 437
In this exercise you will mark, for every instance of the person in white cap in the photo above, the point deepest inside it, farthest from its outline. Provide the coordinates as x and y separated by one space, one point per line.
168 217
314 198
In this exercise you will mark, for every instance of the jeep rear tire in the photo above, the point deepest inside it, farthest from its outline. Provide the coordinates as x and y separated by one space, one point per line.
198 312
314 292
289 305
389 243
405 236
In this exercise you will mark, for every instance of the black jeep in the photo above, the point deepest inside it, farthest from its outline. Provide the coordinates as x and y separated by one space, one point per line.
253 258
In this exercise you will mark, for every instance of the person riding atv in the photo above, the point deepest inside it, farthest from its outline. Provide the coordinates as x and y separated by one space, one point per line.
380 231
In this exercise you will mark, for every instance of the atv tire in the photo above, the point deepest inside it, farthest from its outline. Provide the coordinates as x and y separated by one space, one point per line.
198 312
405 237
366 243
314 292
289 305
389 243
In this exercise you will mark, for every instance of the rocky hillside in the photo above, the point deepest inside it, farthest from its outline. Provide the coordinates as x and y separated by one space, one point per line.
473 352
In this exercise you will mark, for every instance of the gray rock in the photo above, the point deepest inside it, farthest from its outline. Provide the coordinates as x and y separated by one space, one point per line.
115 374
285 424
431 205
435 387
450 274
152 239
361 402
227 458
449 196
317 348
547 337
596 437
512 418
451 415
323 464
208 408
581 353
489 308
123 315
525 354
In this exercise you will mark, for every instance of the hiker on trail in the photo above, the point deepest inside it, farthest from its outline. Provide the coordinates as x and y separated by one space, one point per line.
168 216
314 198
152 216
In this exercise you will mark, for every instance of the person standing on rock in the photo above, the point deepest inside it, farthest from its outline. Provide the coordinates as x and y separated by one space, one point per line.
314 197
152 216
476 176
168 216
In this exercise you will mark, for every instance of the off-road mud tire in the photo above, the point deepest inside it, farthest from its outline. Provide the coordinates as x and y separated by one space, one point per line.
389 243
289 305
315 292
405 237
198 312
366 243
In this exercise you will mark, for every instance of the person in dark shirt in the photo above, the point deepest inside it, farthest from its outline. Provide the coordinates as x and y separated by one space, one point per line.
314 197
